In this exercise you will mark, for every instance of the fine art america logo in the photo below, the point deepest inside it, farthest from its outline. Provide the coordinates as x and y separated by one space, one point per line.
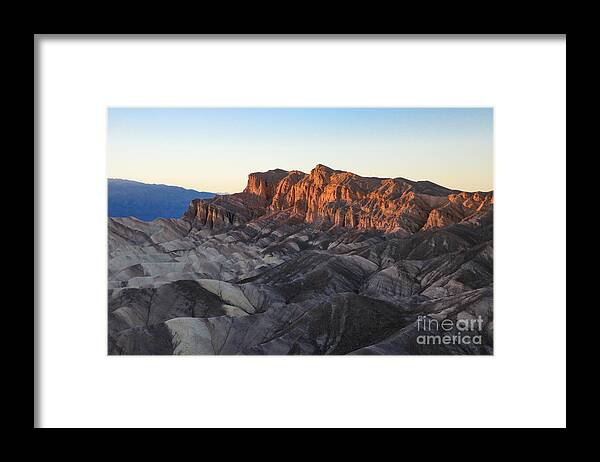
449 332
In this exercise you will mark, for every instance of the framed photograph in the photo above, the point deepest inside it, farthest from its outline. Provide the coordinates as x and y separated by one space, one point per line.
306 221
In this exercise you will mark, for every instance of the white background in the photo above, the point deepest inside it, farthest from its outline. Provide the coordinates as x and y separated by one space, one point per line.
523 384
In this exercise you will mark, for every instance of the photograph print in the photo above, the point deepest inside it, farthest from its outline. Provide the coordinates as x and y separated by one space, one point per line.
300 231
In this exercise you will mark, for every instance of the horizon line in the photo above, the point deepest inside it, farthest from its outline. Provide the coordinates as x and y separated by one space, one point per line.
149 182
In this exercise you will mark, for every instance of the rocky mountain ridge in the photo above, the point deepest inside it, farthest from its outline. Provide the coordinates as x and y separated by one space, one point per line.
341 199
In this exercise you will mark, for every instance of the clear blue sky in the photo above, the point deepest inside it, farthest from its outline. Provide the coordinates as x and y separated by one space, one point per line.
215 149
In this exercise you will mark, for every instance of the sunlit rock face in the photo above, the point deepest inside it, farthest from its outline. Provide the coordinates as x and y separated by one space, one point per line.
342 199
326 262
263 185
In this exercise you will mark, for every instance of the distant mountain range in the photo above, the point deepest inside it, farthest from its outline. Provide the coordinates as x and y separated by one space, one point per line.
147 202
